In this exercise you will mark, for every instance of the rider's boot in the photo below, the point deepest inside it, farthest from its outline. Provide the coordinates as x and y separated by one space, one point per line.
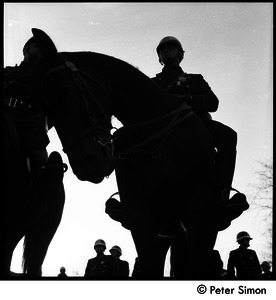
117 212
237 204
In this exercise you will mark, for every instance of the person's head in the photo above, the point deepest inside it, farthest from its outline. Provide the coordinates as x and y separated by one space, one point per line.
116 251
62 270
243 238
100 246
31 51
265 265
170 51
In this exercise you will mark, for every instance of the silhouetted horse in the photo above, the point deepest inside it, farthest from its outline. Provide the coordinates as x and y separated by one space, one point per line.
163 154
31 209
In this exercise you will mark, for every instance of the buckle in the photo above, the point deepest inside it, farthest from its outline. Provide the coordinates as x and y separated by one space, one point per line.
12 102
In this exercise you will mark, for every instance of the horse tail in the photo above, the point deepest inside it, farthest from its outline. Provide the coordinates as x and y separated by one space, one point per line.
40 235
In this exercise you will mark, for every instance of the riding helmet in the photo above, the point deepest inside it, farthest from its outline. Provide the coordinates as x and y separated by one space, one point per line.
169 40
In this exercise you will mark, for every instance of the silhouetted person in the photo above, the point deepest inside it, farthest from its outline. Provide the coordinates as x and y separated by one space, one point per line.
23 94
243 263
62 273
266 274
196 92
101 265
121 266
217 266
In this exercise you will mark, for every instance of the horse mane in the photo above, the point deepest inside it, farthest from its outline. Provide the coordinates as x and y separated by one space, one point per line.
125 81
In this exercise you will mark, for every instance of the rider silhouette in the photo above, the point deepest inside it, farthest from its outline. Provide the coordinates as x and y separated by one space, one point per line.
44 193
22 102
194 90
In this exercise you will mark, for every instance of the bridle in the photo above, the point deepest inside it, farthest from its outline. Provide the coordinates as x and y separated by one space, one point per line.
94 110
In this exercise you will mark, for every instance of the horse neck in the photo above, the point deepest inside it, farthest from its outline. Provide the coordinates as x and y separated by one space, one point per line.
135 98
138 100
142 106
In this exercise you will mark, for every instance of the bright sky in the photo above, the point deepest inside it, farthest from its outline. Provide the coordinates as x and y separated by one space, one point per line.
230 44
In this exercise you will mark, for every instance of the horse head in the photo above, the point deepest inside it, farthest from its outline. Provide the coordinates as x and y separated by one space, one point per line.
72 106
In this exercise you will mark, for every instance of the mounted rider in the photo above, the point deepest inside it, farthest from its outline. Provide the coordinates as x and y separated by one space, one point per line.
42 197
196 92
23 93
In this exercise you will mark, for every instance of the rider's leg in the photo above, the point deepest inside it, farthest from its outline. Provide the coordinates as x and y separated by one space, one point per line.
225 141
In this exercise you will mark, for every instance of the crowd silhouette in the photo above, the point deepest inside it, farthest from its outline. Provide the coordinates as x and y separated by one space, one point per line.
242 264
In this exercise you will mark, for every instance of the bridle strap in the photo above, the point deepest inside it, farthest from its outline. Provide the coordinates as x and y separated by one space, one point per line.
101 133
56 69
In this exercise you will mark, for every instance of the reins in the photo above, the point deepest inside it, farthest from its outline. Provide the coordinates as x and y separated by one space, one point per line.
166 130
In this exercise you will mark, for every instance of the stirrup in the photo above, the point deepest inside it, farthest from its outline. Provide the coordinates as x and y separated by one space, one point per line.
239 199
236 205
228 190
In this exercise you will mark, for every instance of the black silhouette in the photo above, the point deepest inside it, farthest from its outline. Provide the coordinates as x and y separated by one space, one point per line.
266 273
100 266
121 266
243 263
62 273
33 189
219 273
136 273
195 91
163 151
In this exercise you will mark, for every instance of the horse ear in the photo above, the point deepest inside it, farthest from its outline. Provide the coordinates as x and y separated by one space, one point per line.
44 42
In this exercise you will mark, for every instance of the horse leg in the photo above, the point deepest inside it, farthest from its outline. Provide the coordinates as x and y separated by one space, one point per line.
47 199
201 223
146 247
39 237
163 245
201 243
180 255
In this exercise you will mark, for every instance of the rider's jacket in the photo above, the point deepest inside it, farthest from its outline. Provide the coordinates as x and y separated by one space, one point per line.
23 104
100 266
192 87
